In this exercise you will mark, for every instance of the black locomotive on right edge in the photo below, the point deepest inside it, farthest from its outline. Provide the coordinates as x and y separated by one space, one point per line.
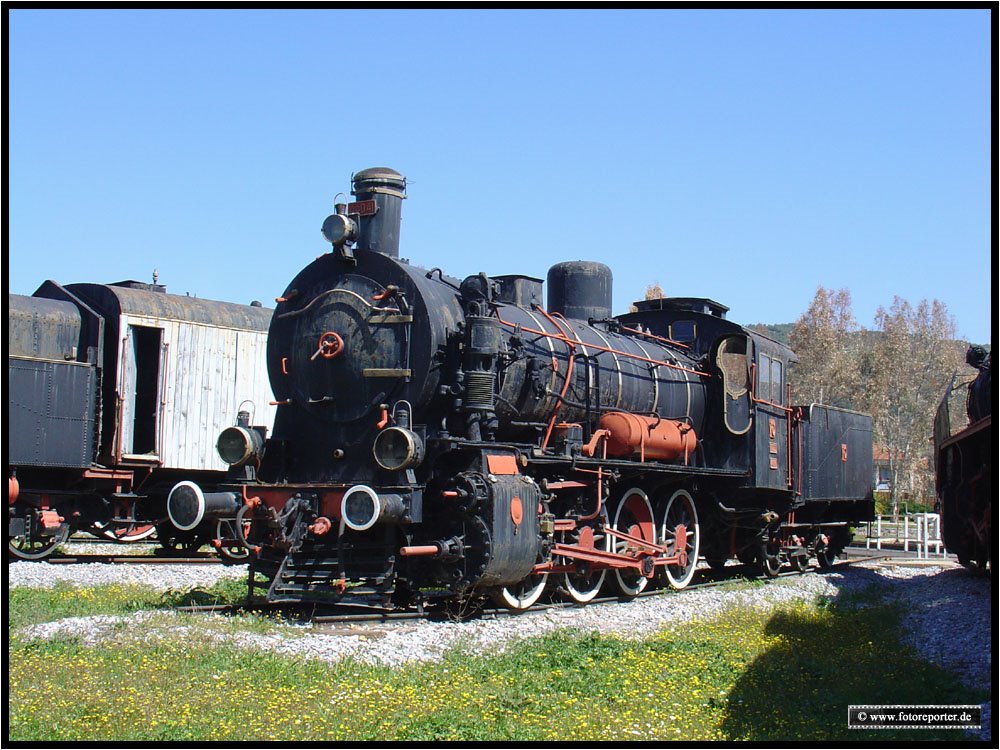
966 468
438 437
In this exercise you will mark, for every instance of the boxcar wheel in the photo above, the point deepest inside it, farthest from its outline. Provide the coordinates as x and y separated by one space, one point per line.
36 548
175 542
133 531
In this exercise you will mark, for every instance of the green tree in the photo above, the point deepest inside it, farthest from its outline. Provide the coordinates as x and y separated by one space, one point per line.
909 364
654 291
826 340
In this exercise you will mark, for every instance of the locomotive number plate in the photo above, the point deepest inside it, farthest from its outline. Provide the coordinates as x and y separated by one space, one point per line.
362 208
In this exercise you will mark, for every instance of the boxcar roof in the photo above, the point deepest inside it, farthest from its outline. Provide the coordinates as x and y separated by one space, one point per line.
110 298
19 304
45 328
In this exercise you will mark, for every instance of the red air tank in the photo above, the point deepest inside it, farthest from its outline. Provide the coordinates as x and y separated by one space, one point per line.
650 437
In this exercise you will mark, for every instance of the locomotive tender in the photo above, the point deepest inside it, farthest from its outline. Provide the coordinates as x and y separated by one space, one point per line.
437 437
965 467
114 393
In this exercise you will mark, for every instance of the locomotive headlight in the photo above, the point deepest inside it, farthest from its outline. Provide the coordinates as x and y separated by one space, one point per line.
237 445
338 229
398 448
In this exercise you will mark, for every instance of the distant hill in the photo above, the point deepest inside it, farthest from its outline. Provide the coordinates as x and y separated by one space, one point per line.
782 331
777 331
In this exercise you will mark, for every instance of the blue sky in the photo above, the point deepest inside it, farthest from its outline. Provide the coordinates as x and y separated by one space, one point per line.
747 156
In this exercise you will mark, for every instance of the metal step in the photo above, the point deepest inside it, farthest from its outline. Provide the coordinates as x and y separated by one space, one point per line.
309 577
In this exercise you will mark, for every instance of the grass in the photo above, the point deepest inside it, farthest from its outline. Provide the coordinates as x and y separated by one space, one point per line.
26 606
788 674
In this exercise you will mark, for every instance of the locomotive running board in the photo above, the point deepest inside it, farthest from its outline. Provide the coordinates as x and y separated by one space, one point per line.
386 372
651 466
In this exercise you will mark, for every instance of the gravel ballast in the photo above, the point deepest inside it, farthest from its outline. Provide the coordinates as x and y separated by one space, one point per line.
948 615
155 576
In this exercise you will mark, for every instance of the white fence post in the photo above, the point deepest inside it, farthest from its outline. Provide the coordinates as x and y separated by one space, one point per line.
925 535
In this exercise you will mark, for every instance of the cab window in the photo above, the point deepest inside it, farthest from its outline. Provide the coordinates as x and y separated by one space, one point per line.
684 331
764 378
777 395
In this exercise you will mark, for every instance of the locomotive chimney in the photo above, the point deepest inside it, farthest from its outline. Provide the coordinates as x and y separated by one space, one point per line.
384 189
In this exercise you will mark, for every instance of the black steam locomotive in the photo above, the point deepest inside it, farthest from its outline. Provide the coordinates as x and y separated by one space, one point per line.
438 437
114 393
965 467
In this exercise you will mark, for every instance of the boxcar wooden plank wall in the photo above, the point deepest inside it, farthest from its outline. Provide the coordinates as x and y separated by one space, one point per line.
204 374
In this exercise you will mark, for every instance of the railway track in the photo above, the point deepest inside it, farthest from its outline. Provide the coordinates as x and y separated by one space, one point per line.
344 614
133 560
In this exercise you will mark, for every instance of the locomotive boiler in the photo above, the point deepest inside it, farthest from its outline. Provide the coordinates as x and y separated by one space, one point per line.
444 437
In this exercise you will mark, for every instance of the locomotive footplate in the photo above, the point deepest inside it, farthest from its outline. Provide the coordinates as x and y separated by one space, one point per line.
632 466
315 574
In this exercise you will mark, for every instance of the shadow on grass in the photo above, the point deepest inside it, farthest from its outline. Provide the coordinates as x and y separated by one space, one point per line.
850 653
227 593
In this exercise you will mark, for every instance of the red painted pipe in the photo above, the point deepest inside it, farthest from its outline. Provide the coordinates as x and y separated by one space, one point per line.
423 550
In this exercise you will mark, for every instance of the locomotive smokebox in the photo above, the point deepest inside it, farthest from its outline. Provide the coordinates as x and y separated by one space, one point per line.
580 289
380 192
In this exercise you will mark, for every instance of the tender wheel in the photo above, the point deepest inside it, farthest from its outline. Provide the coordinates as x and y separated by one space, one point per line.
826 558
748 556
800 562
635 517
523 594
176 542
770 557
681 510
227 533
130 532
30 547
976 566
582 585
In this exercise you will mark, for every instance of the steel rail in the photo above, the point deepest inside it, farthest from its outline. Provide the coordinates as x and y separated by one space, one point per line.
373 615
130 559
